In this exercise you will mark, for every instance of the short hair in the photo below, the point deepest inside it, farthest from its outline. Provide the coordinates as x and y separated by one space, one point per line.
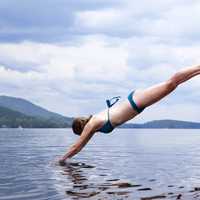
79 123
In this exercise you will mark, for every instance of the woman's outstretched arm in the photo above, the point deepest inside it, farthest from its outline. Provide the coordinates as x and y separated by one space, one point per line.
86 135
151 95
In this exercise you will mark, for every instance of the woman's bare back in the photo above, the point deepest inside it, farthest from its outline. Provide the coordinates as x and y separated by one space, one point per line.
118 113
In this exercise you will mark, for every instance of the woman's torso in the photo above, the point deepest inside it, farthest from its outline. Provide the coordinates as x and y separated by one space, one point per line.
118 114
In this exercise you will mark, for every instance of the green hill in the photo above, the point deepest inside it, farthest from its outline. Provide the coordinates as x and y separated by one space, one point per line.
27 108
165 124
14 119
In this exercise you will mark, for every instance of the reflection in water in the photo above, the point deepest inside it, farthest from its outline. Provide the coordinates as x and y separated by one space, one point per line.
114 188
83 188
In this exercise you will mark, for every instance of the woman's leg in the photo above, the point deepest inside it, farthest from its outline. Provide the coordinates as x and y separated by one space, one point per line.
155 93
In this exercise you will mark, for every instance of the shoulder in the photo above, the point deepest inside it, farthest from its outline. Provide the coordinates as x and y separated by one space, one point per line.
95 122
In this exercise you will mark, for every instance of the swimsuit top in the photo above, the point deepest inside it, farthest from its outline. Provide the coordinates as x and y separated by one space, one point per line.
107 126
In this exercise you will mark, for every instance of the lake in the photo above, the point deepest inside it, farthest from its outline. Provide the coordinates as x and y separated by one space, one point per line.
136 164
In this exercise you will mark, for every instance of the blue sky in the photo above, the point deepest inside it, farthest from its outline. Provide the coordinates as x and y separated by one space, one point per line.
69 56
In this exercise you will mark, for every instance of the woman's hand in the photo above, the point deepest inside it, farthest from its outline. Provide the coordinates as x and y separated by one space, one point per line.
61 162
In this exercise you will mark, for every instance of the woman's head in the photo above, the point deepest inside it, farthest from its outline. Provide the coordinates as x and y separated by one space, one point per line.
79 124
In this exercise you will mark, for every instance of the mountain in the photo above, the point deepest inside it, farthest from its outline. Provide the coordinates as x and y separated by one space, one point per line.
16 112
29 109
165 124
15 119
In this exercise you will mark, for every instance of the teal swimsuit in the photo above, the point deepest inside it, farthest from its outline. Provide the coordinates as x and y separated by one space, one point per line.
108 127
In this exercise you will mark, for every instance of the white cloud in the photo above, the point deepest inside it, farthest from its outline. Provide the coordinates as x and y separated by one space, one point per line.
170 21
94 70
64 70
93 57
116 49
178 21
98 19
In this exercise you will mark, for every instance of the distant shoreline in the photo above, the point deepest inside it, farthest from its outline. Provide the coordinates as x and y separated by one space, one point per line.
164 124
155 124
20 113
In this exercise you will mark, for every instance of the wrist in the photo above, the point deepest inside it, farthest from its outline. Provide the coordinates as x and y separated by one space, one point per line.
64 158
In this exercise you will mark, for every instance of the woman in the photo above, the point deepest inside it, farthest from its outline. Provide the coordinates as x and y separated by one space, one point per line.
136 102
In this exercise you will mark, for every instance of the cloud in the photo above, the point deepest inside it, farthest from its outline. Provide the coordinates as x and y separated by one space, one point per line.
65 21
70 56
69 71
44 21
168 21
91 72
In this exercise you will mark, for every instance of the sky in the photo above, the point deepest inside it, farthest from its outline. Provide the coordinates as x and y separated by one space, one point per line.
70 56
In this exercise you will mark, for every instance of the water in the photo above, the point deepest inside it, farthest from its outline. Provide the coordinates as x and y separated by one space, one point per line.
127 164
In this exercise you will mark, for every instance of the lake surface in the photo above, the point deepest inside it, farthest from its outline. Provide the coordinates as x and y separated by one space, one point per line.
127 164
